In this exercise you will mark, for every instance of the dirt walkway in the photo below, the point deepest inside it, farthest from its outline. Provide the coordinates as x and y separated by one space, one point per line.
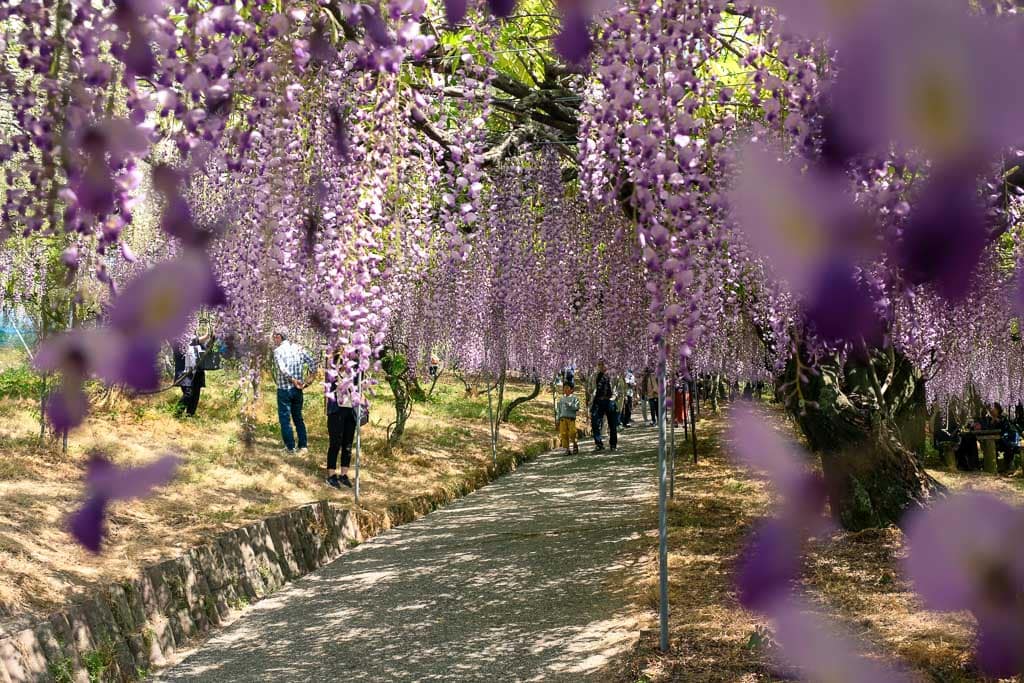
520 581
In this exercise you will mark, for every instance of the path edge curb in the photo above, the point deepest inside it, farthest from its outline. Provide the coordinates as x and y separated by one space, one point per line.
124 631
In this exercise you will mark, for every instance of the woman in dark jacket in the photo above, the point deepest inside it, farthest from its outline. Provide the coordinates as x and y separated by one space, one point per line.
190 375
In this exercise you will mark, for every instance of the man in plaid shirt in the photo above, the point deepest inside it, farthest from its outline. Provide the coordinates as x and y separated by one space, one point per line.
290 367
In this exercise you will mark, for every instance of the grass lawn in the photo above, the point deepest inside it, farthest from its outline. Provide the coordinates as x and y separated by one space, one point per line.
853 576
222 484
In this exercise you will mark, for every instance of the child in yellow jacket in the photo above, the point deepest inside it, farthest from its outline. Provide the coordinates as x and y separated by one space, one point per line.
565 413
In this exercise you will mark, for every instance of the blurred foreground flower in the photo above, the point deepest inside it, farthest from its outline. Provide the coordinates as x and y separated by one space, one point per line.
821 652
153 308
820 18
946 233
806 228
965 554
928 76
106 483
771 560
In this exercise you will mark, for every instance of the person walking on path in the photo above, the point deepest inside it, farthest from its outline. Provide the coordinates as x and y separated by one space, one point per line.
650 391
601 409
291 363
627 402
341 430
565 413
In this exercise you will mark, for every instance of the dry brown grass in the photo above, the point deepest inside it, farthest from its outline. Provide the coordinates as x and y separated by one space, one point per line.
222 484
855 577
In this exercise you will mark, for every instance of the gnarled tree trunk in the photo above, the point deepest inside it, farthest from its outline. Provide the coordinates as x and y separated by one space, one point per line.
521 400
854 413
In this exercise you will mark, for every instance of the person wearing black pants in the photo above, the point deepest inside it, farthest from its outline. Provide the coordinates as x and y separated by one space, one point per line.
602 408
190 377
341 430
650 390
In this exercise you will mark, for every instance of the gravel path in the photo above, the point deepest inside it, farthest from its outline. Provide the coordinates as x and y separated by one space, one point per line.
515 582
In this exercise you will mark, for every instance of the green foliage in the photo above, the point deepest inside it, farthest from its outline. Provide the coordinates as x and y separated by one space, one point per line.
98 663
20 382
760 640
394 364
464 408
62 671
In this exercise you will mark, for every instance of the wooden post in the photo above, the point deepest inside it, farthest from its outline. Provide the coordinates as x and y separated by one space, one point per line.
949 456
988 447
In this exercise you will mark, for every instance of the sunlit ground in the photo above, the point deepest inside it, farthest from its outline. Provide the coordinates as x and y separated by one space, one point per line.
853 576
222 484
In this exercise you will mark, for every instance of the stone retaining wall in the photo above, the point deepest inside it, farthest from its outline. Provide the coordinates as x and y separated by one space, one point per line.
125 630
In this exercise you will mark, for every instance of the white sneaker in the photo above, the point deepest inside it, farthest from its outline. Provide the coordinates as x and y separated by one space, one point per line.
303 451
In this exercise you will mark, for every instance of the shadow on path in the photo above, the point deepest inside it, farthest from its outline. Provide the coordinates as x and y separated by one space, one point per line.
512 583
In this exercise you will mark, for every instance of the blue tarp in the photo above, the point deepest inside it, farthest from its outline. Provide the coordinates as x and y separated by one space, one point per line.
8 333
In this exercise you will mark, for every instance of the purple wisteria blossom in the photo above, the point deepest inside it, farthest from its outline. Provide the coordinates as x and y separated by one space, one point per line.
945 234
842 307
130 16
156 305
105 483
455 10
929 76
153 308
965 554
573 41
819 651
820 18
796 219
75 355
771 561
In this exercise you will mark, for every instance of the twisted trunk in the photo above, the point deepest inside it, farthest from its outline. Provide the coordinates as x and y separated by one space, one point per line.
856 413
403 409
521 400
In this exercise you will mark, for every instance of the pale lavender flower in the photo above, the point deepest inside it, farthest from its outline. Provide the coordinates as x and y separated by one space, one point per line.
157 304
76 355
772 558
797 220
820 18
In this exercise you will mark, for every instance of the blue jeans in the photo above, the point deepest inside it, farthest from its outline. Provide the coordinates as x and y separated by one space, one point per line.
289 408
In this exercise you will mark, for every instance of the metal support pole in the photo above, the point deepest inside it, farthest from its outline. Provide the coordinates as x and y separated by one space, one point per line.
693 422
686 411
662 505
22 340
490 423
672 450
